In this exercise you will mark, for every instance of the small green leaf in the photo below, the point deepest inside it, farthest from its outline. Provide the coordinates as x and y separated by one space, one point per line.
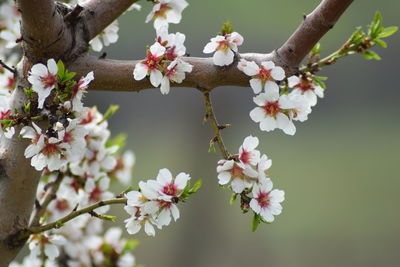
256 222
316 49
119 141
371 55
381 43
212 149
196 186
28 92
388 31
130 245
110 111
61 69
27 107
233 199
227 28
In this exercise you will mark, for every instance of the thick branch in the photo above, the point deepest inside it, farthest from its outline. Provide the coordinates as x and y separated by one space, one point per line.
117 75
113 75
101 13
43 29
310 31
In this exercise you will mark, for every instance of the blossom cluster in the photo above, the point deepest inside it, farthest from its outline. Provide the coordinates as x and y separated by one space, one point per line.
164 63
277 107
155 203
246 175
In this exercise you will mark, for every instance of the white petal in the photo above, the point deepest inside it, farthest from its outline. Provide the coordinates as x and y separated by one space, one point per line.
223 58
156 78
165 86
210 47
52 66
181 180
278 73
268 124
256 85
140 71
257 114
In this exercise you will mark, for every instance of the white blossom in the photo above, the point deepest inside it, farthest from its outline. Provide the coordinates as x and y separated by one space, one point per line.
224 48
108 36
305 86
266 201
239 175
43 79
166 11
176 73
264 76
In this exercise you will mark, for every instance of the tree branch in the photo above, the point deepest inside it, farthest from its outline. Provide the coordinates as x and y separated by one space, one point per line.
43 29
101 13
311 30
114 75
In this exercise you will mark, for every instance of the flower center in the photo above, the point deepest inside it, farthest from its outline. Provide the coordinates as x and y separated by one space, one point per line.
263 200
170 189
264 75
151 61
49 80
236 171
62 205
162 11
245 157
223 45
272 108
10 82
95 195
68 137
305 85
50 149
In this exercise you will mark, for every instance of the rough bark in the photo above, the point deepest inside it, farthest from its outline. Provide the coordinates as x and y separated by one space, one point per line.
52 30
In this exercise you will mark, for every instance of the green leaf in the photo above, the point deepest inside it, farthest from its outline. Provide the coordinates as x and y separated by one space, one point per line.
110 111
316 49
61 69
68 76
212 149
27 107
119 140
376 26
371 55
233 199
318 80
28 92
226 28
196 186
256 222
381 43
388 31
130 245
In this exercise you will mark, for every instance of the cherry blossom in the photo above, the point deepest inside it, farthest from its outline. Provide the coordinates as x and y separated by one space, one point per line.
248 154
48 244
266 201
108 36
166 11
43 79
239 175
79 89
262 77
272 111
224 47
305 86
176 73
151 65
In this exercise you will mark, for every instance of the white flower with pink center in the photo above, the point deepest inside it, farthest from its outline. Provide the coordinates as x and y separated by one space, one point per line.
264 76
173 42
305 86
45 151
43 79
47 244
166 11
224 47
78 91
74 136
265 201
151 65
273 111
176 73
96 191
248 154
239 175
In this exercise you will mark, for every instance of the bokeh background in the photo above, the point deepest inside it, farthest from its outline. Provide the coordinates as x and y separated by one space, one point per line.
340 171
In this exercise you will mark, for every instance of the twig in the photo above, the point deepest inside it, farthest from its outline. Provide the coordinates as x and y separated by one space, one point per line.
10 69
51 195
59 223
216 127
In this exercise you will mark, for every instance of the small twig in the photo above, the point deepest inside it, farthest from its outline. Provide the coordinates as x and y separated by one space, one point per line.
216 127
51 195
59 223
10 69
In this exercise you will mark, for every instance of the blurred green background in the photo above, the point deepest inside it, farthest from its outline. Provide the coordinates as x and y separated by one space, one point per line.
340 171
